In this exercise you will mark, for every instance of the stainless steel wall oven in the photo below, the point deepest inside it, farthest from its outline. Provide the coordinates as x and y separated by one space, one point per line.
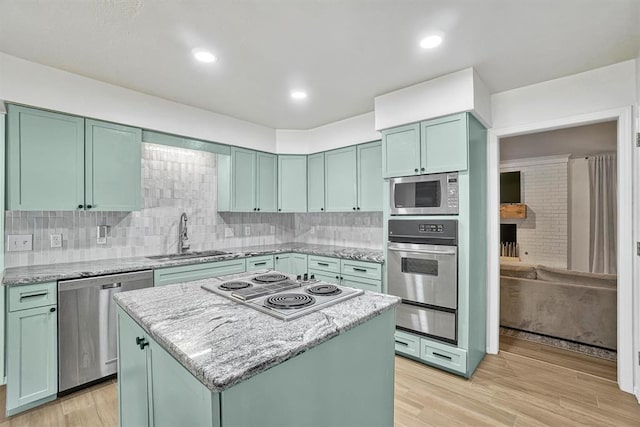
422 269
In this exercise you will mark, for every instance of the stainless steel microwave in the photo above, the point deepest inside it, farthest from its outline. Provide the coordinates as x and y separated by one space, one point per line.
433 194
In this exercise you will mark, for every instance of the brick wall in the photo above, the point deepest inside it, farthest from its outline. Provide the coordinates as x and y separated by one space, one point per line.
543 235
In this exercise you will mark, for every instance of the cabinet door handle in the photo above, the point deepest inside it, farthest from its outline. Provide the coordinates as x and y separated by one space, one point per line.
40 294
255 209
89 206
442 355
258 209
112 286
422 169
52 309
261 263
141 342
415 170
402 343
277 257
358 207
80 206
362 270
324 264
321 209
279 210
354 209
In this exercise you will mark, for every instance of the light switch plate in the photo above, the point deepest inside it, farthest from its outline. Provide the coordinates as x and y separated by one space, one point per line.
247 230
56 240
19 242
101 233
228 232
272 230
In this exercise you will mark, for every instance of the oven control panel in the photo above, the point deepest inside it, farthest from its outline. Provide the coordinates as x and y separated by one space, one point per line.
452 191
430 228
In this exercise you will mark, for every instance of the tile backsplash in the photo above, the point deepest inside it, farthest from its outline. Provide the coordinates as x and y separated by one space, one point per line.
176 180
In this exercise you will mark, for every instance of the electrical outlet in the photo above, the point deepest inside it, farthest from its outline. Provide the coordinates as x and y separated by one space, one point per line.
272 230
101 233
56 240
228 232
19 242
247 230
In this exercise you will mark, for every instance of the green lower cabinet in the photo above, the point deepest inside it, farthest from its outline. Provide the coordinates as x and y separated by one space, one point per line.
361 283
187 273
407 344
260 263
32 357
333 278
338 390
291 263
435 353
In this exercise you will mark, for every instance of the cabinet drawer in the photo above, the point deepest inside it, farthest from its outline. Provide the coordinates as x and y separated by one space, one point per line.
31 296
362 269
407 344
260 262
324 263
360 283
448 357
187 273
333 278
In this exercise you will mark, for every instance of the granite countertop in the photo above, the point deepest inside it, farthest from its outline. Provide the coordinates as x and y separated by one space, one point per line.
73 270
223 343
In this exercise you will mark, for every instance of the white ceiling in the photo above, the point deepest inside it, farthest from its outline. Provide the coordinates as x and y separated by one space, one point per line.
577 141
343 52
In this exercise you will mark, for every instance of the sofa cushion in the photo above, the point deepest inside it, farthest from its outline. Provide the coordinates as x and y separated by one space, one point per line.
521 271
576 277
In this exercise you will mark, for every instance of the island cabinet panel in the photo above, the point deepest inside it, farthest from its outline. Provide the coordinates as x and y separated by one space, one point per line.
341 180
292 183
45 160
315 183
32 351
370 176
113 156
444 144
357 390
267 182
133 397
243 180
260 262
401 151
361 283
187 273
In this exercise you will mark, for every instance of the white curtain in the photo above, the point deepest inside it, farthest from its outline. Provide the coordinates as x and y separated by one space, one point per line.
604 209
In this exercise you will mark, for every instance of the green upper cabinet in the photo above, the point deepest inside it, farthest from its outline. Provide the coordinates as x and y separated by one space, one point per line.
340 180
243 180
315 182
401 151
432 146
247 181
292 183
45 160
444 144
61 162
370 176
112 164
267 182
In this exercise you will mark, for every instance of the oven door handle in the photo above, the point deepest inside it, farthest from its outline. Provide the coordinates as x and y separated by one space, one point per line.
421 251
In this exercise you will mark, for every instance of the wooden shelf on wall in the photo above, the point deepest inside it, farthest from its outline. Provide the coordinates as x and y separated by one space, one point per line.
513 211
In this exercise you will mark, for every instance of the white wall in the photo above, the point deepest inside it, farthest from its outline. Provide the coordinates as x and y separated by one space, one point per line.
579 218
353 130
37 85
592 91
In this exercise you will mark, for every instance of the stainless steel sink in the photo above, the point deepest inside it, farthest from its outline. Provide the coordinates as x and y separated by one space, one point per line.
200 254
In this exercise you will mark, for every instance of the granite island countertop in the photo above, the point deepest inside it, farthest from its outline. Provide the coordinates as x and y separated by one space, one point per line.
74 270
222 342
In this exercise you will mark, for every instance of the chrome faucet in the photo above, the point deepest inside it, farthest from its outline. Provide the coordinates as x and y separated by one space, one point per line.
183 237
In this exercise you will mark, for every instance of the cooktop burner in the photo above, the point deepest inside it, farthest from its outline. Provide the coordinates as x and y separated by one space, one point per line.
270 278
324 290
234 285
289 301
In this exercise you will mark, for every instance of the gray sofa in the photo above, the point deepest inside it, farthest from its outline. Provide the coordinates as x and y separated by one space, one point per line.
564 304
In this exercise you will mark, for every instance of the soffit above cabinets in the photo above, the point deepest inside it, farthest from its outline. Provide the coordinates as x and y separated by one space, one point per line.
342 53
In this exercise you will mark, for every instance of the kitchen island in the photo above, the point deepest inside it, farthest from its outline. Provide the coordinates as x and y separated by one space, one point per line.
190 357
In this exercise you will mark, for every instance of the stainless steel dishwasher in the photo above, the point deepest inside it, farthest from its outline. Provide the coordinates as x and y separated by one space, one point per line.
87 349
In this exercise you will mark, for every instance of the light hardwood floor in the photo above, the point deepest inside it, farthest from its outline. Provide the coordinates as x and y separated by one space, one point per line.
527 384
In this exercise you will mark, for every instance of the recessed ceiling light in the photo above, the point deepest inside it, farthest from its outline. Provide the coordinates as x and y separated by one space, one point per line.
431 41
298 94
203 55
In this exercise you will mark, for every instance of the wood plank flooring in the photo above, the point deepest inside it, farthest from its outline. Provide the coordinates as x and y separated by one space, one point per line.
524 385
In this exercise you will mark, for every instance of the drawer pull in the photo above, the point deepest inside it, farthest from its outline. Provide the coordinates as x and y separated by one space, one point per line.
402 343
41 294
112 286
362 270
442 355
260 263
324 264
